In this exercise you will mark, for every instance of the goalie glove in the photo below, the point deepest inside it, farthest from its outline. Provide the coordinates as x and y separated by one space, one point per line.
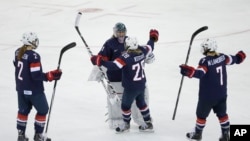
150 58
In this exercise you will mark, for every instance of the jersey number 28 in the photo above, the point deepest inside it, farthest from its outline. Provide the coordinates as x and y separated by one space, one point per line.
138 67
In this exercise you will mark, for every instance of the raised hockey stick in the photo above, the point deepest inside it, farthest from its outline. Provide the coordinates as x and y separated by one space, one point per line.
65 48
113 96
182 78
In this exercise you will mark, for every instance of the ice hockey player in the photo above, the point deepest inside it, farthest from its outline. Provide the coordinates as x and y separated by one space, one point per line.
29 78
131 62
212 74
112 49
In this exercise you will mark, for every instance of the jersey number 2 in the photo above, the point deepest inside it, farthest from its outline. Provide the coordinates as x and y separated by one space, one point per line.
20 65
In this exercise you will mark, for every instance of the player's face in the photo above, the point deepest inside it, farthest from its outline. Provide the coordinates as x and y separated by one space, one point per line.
120 36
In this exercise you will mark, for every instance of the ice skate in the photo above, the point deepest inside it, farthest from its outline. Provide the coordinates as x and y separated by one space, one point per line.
194 136
22 136
146 127
224 137
123 128
40 137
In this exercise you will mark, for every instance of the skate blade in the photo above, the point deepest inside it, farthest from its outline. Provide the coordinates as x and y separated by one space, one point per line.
125 131
192 139
147 131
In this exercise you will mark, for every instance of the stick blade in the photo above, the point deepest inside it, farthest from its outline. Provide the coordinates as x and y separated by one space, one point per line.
65 48
199 30
68 46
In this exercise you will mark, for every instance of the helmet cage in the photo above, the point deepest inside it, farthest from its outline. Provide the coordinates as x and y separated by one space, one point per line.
119 30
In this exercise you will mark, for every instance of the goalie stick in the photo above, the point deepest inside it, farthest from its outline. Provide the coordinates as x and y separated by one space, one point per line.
187 57
113 96
65 48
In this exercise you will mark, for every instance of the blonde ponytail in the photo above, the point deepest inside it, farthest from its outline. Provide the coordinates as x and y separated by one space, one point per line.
21 52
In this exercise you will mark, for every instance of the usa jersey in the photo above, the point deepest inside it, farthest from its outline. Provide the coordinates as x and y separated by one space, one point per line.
212 73
28 73
132 65
110 51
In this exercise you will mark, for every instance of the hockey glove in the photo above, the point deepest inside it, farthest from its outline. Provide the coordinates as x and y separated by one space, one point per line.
54 75
96 60
240 57
187 70
154 34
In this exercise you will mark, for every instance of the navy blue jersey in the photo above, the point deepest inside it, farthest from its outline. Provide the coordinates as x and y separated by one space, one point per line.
28 73
212 73
132 66
112 49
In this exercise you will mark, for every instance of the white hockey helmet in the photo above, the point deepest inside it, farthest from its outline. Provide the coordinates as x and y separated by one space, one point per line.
131 43
208 45
30 38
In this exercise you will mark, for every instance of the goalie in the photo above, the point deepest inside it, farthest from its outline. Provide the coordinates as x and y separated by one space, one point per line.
112 49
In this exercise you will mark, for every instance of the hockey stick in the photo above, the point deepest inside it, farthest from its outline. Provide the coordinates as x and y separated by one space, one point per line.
113 96
182 78
65 48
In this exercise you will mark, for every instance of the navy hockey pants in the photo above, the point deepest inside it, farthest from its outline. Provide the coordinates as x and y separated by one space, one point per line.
129 96
39 101
205 106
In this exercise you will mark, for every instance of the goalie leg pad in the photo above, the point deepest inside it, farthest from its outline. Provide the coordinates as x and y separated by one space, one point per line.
114 109
96 74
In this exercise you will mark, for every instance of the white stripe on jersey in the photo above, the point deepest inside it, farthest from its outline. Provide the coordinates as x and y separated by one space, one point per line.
118 64
201 69
230 60
32 69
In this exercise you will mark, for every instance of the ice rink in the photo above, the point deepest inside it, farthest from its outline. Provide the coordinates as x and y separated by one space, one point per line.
79 107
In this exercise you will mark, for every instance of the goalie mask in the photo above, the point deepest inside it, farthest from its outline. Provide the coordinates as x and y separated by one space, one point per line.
30 38
131 43
120 31
208 45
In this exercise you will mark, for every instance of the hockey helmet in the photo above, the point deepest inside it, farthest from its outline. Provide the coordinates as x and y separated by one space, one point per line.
30 38
131 43
208 45
120 31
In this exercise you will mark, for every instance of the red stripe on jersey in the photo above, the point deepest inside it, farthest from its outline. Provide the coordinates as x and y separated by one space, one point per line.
105 58
229 60
204 68
33 65
149 48
119 60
